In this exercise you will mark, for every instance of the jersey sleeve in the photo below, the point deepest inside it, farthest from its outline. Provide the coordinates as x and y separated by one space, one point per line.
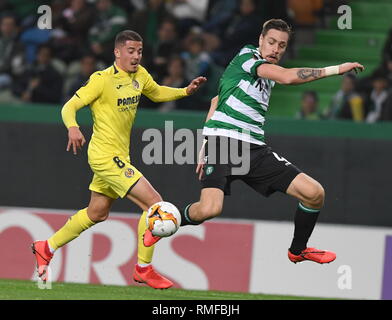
92 89
249 62
68 112
158 93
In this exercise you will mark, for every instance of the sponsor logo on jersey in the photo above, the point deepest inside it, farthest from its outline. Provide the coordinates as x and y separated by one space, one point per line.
126 104
127 101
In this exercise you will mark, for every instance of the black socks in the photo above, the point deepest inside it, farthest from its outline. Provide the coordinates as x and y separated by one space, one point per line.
185 219
304 222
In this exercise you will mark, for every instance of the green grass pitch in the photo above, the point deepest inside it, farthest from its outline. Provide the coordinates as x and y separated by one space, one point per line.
28 290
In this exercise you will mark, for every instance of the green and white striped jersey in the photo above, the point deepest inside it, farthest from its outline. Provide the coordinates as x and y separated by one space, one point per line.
243 99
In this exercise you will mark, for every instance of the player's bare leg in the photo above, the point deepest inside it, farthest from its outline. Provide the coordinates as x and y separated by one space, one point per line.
209 206
97 211
99 207
144 195
307 190
311 195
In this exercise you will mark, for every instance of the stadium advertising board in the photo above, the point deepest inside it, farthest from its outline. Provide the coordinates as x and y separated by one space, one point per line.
230 255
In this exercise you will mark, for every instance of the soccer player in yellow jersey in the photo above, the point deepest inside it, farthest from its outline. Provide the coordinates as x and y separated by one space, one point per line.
113 95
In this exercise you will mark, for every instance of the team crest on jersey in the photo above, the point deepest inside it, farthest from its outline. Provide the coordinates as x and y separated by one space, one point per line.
129 173
135 84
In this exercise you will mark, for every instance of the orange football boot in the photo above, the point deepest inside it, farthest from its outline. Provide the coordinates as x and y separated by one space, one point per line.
43 256
149 239
150 277
312 254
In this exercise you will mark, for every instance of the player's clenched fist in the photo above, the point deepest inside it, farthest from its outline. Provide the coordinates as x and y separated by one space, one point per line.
76 139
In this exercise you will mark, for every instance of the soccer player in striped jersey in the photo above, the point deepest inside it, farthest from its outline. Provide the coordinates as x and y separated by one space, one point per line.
113 95
238 113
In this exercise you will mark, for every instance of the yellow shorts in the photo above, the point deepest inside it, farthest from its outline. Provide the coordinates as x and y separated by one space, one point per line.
113 176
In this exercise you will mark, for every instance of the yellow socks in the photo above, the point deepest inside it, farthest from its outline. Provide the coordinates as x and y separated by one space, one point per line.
144 254
81 222
71 230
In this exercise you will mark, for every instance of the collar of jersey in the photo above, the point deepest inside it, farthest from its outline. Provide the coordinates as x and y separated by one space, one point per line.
119 72
258 54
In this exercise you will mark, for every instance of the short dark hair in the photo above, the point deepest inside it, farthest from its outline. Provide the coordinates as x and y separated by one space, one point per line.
277 24
126 35
88 55
8 15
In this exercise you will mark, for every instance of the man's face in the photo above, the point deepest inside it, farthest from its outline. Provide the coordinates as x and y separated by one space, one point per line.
309 104
88 65
154 4
176 68
380 84
166 32
8 26
389 65
247 7
44 56
273 45
77 5
129 55
347 84
103 5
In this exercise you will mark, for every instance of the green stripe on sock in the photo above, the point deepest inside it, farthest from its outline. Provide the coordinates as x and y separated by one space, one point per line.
186 215
306 209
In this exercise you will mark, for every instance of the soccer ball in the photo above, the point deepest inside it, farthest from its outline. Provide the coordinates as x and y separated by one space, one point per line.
163 219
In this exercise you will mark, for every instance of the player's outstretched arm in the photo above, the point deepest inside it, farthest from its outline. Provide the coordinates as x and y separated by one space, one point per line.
76 139
302 75
158 93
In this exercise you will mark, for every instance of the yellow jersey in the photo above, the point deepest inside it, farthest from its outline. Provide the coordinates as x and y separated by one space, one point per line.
113 96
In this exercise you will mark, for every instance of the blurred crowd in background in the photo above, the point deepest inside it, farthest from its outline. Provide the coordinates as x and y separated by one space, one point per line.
183 39
367 99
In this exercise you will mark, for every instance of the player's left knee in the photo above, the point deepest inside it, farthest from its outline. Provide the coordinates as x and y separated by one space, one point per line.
316 196
97 218
98 214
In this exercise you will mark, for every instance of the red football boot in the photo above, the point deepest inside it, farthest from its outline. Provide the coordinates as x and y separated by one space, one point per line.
43 256
149 239
150 277
312 254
